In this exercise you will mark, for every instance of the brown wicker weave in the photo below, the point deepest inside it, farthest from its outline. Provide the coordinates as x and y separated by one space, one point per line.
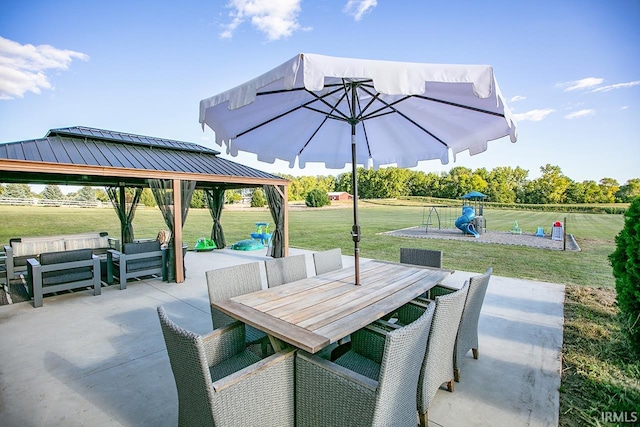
220 383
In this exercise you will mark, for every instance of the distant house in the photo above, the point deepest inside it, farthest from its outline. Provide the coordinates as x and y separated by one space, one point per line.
339 195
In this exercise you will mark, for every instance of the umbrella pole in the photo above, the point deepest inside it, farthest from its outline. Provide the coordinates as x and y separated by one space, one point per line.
355 231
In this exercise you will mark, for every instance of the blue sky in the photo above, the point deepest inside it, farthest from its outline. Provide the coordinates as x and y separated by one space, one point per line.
570 69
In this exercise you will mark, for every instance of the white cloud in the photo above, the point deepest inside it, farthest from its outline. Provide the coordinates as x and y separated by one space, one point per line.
23 67
275 18
533 115
579 114
587 83
616 86
357 8
518 98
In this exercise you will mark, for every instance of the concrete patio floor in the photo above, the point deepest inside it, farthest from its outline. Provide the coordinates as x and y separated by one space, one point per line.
84 360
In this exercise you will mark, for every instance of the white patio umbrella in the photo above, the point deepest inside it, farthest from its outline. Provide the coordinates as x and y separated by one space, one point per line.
317 108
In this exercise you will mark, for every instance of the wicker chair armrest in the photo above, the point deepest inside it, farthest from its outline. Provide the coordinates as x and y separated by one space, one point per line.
260 394
335 371
256 369
224 343
439 290
387 326
412 310
422 302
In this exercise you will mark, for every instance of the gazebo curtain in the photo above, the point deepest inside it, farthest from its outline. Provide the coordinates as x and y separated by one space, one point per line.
215 201
276 206
162 190
125 215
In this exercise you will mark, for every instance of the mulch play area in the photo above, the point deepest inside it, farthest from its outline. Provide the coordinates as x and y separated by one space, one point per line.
495 237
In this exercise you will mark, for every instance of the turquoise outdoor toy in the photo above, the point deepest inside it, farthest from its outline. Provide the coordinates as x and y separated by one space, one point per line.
262 233
247 245
464 222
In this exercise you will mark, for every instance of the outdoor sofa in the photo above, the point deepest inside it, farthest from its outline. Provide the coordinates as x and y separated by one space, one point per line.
21 249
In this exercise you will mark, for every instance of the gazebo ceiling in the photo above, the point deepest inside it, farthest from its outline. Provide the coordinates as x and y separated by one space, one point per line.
98 157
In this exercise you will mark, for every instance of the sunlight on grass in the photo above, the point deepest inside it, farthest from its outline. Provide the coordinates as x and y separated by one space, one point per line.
599 373
326 228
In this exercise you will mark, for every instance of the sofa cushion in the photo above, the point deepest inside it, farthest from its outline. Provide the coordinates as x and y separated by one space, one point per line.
89 242
37 248
144 263
68 275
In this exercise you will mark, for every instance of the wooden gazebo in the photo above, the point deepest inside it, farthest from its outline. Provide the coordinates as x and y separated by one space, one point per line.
95 157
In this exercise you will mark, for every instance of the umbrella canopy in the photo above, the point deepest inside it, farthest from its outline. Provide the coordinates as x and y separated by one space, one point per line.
316 108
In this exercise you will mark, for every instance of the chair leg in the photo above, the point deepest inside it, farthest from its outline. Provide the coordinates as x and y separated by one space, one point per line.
424 419
475 353
450 386
456 375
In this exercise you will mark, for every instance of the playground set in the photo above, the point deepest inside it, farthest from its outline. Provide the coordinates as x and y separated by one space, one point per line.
472 221
469 223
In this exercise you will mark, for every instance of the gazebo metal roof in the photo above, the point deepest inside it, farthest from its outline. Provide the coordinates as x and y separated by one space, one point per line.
96 157
88 156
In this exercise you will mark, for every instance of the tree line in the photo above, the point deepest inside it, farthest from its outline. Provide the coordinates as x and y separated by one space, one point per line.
501 185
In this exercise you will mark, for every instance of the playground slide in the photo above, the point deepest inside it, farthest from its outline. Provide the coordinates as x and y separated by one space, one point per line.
464 222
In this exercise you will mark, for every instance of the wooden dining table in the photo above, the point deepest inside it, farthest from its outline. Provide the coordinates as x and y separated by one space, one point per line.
314 312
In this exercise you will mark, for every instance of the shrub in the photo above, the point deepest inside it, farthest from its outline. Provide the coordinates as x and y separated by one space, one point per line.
232 196
625 261
198 200
257 199
317 198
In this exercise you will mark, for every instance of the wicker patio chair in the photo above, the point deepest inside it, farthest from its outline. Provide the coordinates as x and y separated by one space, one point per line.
437 368
423 257
327 261
229 282
373 384
285 270
221 383
468 331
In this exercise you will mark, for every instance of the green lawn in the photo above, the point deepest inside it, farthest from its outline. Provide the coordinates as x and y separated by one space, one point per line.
599 371
326 228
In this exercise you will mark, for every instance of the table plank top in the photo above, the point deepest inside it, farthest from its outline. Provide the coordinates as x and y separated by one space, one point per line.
314 312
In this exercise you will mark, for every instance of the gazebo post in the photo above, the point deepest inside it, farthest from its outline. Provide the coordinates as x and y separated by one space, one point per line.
177 230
